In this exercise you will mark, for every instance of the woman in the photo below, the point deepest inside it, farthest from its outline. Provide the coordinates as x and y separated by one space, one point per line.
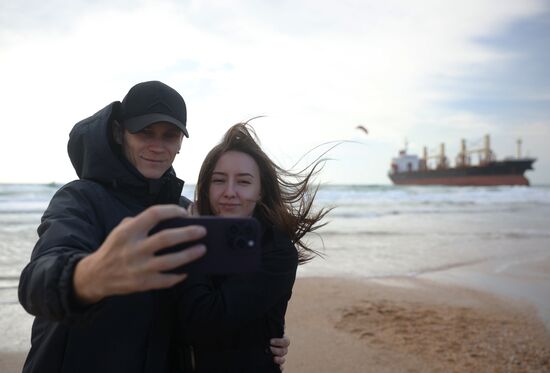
227 321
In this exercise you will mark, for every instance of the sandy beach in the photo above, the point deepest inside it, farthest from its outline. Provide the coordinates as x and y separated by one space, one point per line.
410 325
402 325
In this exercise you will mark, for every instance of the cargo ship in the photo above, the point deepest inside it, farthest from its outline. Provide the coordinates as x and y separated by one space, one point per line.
409 169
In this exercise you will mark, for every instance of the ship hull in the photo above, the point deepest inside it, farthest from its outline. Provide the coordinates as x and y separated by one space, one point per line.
494 173
464 181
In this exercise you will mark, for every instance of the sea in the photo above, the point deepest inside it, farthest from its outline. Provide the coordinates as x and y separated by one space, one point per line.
490 238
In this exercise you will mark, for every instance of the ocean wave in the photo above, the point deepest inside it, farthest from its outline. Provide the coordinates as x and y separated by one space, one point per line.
373 200
419 195
491 235
399 273
8 283
355 233
447 266
379 211
21 212
9 287
9 278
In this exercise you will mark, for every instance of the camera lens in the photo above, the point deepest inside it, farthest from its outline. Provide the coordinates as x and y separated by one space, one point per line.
233 229
248 230
240 243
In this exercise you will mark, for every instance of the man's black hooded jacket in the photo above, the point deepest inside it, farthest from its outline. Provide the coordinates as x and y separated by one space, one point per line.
121 333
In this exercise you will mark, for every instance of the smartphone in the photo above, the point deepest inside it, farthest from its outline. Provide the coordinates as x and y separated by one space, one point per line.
232 244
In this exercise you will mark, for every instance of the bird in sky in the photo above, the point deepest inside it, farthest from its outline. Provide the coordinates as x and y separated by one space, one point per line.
362 128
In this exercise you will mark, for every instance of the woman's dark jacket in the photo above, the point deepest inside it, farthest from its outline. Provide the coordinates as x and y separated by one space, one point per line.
225 323
126 333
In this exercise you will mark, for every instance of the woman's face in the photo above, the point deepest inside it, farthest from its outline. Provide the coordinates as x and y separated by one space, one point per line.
235 185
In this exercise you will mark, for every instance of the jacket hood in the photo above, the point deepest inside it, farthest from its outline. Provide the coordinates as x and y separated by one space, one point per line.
95 156
92 150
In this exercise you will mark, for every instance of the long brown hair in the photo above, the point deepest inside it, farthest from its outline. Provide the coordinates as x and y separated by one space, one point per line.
287 197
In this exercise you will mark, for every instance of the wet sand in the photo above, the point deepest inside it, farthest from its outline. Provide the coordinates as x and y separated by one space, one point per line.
410 325
12 362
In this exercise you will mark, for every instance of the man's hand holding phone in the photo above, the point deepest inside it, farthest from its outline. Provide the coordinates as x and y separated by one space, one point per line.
126 262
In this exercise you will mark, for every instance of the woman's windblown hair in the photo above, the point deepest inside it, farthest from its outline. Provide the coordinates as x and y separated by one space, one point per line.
287 197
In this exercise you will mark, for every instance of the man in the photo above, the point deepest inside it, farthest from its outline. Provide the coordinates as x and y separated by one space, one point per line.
97 289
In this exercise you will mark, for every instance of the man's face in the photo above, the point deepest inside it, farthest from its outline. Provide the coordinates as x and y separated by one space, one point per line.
153 149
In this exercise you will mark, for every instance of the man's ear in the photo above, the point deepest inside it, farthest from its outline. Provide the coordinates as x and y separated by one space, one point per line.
181 140
117 132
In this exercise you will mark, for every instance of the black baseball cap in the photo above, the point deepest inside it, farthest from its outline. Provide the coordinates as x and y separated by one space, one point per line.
152 102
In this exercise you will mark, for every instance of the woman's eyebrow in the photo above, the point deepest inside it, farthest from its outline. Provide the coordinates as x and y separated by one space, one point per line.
241 174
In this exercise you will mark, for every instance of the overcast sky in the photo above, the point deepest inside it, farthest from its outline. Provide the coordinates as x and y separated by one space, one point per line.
426 71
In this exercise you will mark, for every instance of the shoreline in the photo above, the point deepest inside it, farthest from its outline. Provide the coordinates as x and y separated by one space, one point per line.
523 280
